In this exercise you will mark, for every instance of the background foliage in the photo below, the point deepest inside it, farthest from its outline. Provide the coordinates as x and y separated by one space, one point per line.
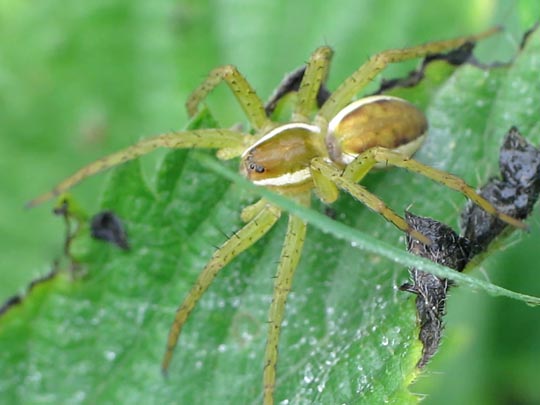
80 79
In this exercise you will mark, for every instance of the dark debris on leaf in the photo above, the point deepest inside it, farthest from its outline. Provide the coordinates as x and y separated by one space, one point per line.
450 250
514 193
527 34
10 303
104 226
108 227
456 57
17 299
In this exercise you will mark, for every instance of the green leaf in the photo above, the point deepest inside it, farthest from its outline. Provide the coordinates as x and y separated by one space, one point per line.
100 338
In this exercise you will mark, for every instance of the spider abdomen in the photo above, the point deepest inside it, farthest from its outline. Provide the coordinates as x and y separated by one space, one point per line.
385 121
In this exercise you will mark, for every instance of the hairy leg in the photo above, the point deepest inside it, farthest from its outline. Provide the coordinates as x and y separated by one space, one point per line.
314 77
357 169
369 70
247 98
290 256
201 138
255 229
335 174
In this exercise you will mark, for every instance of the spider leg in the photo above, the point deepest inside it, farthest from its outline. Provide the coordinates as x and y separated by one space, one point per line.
335 174
290 255
324 187
252 105
314 76
367 72
249 212
365 162
201 138
239 241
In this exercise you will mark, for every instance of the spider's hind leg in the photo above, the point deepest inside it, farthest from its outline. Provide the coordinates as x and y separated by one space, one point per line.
369 70
365 162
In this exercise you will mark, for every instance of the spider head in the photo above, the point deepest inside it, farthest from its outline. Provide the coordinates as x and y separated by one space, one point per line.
281 157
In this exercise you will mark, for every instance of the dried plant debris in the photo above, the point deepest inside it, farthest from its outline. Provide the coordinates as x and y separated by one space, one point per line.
63 209
74 221
527 34
108 227
291 83
17 299
456 57
450 250
515 193
104 226
10 303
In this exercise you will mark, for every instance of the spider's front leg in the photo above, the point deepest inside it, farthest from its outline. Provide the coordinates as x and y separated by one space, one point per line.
290 256
363 163
369 70
261 222
224 139
251 104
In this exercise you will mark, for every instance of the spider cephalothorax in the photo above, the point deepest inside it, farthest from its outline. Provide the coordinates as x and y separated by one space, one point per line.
330 151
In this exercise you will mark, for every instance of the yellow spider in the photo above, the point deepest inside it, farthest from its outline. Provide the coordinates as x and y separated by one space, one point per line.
326 153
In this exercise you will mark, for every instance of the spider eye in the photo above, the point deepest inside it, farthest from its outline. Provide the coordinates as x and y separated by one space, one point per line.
255 167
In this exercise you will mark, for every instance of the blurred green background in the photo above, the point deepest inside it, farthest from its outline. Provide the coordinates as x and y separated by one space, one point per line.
79 79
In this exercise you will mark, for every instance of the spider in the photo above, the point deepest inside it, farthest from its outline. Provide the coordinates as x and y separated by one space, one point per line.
322 152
